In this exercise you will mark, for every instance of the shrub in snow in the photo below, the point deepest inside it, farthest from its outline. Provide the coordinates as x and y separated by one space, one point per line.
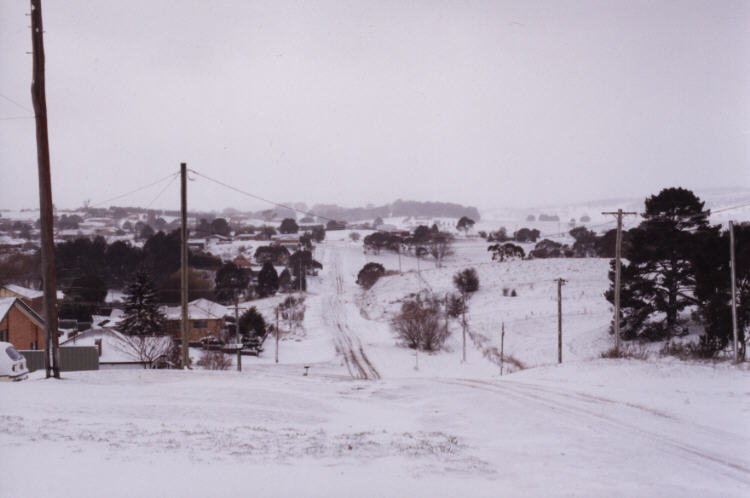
369 274
627 351
419 323
707 348
214 360
466 281
292 311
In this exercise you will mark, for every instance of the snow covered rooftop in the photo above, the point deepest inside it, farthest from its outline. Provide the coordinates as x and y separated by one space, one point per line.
24 291
200 309
5 304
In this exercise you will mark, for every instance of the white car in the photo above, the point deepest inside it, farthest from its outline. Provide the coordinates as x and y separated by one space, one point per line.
12 363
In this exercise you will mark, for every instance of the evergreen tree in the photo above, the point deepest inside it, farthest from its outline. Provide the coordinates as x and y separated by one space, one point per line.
268 280
231 281
660 278
288 225
285 281
142 315
713 288
251 321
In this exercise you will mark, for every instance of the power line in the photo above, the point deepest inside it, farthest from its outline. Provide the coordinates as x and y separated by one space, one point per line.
134 190
17 104
174 177
253 196
730 208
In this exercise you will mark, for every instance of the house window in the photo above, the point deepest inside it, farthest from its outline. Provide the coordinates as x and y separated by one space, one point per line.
4 335
34 346
200 324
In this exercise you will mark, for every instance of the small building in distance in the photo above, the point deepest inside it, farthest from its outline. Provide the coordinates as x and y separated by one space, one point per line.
241 262
20 325
206 320
289 240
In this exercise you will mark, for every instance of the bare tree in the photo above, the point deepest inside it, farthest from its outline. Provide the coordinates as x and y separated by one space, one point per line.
441 246
292 309
419 324
148 349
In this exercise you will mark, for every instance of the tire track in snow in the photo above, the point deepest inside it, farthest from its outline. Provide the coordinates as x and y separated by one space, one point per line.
348 344
570 405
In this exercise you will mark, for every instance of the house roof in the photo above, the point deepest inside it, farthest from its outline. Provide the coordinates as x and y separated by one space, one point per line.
24 291
200 309
286 237
6 303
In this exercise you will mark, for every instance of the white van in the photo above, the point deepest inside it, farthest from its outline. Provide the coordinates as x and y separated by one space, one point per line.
12 363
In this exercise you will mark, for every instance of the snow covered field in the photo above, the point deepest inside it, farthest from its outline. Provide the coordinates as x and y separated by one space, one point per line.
602 428
588 427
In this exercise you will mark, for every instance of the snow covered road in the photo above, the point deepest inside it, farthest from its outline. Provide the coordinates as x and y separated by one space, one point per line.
335 317
589 429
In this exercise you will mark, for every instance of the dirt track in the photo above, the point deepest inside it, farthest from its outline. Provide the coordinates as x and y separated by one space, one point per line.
334 313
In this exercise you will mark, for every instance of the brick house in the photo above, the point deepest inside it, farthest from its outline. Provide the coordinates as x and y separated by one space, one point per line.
20 325
34 298
205 318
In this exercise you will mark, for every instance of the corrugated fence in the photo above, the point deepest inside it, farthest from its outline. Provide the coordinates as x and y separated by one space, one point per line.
72 358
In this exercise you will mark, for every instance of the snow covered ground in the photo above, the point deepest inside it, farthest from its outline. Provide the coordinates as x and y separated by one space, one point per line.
588 427
602 428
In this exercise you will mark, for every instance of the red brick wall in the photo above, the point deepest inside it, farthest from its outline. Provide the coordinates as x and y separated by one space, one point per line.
214 327
22 332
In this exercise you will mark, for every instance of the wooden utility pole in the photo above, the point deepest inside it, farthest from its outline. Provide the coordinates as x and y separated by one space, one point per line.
39 99
734 292
446 314
184 269
237 331
463 323
560 282
502 348
618 254
277 334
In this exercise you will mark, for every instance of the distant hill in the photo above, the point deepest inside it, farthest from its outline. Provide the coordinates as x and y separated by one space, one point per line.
398 208
719 201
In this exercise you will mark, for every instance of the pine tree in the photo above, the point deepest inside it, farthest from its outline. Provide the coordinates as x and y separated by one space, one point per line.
142 315
658 282
713 288
268 280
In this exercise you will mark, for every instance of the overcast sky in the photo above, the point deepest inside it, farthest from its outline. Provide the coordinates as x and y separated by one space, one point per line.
485 103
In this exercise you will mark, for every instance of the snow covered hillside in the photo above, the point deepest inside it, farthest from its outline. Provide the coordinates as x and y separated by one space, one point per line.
374 419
